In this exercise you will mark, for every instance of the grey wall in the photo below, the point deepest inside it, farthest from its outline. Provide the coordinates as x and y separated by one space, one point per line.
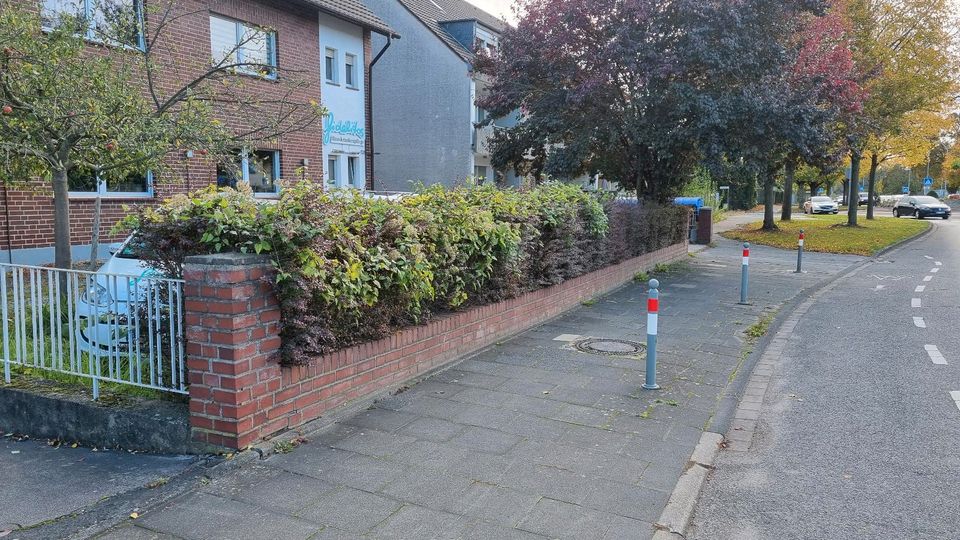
421 106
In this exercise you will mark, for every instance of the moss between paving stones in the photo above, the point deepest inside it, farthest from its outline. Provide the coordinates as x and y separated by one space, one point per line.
830 234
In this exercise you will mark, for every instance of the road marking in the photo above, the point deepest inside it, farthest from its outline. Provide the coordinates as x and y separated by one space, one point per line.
920 288
568 337
918 322
934 270
935 355
927 278
938 263
914 302
879 287
928 257
955 395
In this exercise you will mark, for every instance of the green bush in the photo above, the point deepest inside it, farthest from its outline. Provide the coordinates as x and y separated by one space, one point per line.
350 268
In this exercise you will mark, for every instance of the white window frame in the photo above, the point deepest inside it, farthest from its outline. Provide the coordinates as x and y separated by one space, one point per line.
240 28
353 171
91 34
244 156
245 168
333 173
335 80
102 192
355 84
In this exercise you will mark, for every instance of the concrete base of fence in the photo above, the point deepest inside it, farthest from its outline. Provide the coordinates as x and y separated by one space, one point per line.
149 426
239 393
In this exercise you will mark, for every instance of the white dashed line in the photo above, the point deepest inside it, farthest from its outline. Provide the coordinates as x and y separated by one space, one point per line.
934 270
928 257
938 263
568 337
927 278
920 288
918 322
914 302
935 355
955 395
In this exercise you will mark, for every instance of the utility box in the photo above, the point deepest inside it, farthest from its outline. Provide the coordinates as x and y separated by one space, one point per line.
704 226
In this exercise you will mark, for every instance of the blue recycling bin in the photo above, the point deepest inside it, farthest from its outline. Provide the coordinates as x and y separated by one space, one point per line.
696 203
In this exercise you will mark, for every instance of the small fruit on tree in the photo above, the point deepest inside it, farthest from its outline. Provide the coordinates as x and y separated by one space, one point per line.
7 109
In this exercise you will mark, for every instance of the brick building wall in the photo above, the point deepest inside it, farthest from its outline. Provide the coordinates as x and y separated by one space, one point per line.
239 393
184 51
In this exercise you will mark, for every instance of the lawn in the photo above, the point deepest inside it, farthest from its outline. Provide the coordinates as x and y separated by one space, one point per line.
830 234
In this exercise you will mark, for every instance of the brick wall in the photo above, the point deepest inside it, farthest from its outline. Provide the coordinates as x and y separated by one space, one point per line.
184 52
240 394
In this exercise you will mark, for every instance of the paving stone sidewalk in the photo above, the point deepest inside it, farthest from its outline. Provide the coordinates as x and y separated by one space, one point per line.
528 439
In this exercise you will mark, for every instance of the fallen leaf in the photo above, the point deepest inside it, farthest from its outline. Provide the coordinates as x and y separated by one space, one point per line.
134 515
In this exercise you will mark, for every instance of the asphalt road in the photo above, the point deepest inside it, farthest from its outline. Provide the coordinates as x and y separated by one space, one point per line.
858 435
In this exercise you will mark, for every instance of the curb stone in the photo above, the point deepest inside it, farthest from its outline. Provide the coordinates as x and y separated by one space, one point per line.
677 514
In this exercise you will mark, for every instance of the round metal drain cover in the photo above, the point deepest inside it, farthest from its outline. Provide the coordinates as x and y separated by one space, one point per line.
614 347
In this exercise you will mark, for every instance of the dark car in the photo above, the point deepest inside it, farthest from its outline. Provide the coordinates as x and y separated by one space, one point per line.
921 206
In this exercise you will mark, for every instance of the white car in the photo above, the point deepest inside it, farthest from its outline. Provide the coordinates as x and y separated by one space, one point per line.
106 316
820 205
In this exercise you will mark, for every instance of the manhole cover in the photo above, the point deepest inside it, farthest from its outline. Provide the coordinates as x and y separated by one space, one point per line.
614 347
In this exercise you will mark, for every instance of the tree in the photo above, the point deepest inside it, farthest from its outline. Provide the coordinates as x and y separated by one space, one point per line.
902 53
67 107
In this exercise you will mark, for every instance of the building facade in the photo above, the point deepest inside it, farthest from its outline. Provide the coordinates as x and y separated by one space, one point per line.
289 35
424 100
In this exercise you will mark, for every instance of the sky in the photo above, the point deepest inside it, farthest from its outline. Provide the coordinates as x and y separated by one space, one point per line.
500 8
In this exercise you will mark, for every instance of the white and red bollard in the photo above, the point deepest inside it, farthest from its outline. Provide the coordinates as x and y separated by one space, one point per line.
653 310
800 253
744 274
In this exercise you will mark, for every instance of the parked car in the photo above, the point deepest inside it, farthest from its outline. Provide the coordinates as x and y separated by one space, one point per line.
820 205
105 309
921 206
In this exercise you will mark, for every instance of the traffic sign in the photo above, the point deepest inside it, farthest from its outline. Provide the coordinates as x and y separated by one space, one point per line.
927 182
906 189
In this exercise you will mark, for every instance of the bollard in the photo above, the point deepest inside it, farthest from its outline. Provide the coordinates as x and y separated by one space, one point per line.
744 278
800 254
653 308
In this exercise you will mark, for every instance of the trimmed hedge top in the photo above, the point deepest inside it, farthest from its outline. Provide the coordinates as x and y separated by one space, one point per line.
352 268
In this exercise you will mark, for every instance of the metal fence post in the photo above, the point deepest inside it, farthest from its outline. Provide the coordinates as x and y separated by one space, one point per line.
653 308
800 253
744 274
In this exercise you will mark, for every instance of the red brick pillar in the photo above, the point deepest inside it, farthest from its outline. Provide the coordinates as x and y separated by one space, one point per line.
231 318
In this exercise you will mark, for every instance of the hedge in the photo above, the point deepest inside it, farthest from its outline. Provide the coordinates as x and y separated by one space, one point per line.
352 268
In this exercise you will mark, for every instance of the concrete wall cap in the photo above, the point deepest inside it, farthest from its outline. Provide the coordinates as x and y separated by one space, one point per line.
228 259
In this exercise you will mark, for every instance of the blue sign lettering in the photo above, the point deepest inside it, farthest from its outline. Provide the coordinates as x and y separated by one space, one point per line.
331 127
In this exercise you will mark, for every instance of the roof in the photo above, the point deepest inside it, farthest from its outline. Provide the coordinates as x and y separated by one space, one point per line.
435 12
356 12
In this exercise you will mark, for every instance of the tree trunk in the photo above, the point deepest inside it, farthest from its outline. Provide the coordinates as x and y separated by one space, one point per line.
61 219
768 182
790 174
853 196
95 236
872 183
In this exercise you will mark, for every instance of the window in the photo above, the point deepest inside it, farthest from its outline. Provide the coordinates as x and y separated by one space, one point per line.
481 115
479 174
330 66
350 71
107 21
352 178
260 169
251 49
333 176
85 183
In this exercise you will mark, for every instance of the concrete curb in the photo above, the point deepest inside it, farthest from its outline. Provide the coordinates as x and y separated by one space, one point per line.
677 514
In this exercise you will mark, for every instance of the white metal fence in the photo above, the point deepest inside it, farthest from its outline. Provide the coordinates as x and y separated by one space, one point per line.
102 327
